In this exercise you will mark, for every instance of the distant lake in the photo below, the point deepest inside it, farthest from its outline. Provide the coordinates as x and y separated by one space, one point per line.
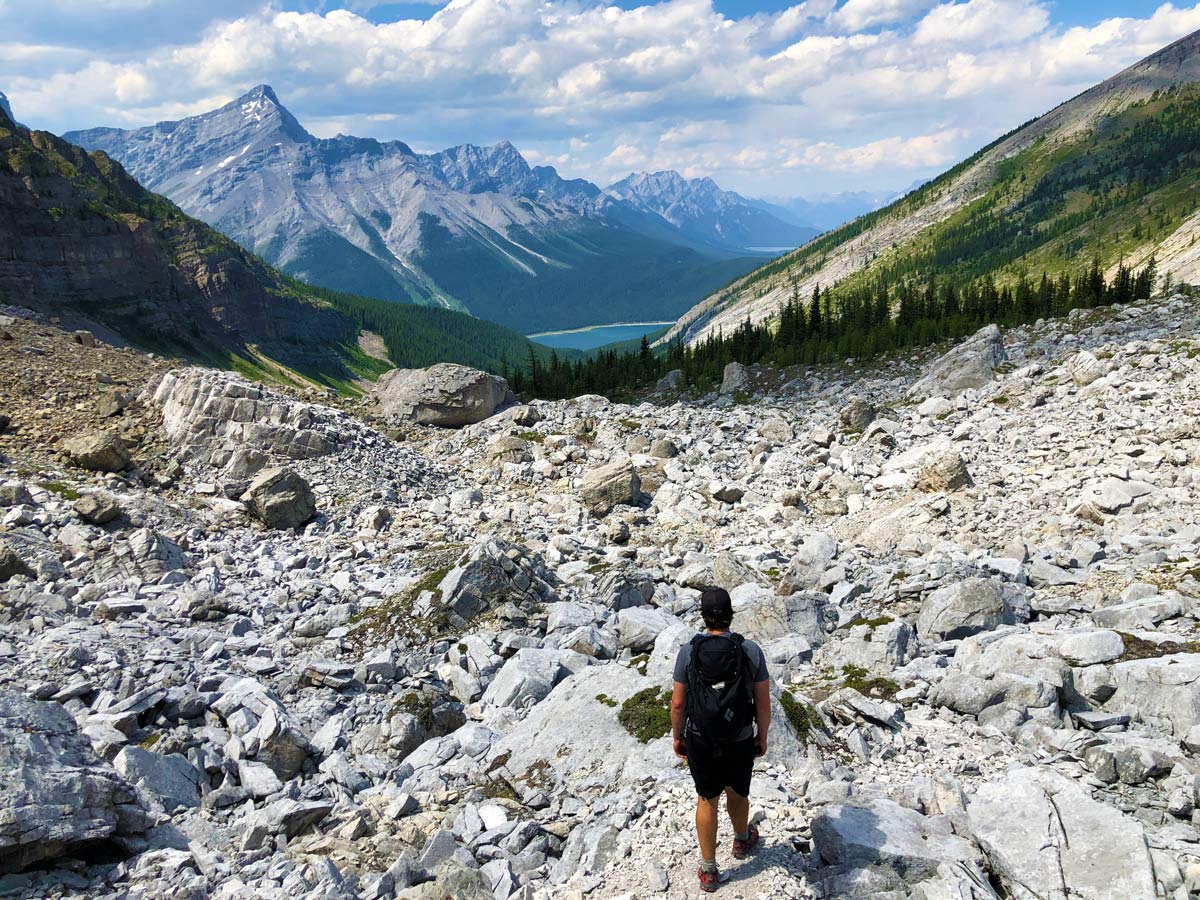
770 249
596 335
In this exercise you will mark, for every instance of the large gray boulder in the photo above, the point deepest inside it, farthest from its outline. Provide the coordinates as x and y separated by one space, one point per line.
446 395
1084 368
625 586
735 379
1047 839
99 451
56 795
639 626
880 648
1162 692
763 616
573 739
882 846
969 607
943 470
526 679
1090 648
170 780
610 485
857 414
280 498
98 507
971 364
806 568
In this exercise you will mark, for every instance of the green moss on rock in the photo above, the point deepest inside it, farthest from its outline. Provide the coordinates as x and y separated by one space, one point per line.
802 716
647 714
861 680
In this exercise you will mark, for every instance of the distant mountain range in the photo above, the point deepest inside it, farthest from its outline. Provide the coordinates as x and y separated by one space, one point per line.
470 228
705 213
1112 175
823 212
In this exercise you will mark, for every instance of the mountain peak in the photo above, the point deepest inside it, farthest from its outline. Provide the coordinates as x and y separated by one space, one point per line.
5 108
260 105
261 92
470 167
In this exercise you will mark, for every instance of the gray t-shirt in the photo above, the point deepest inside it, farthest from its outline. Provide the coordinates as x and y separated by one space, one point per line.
758 662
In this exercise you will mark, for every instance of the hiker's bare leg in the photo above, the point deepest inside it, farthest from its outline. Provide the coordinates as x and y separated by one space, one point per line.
706 825
739 810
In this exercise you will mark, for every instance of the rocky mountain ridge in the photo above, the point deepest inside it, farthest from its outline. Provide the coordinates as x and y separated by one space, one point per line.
1037 170
974 576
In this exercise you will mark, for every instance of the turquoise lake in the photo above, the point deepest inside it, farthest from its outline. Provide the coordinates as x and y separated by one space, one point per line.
597 335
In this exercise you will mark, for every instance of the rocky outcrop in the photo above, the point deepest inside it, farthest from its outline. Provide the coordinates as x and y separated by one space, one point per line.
216 418
57 798
445 395
71 241
490 574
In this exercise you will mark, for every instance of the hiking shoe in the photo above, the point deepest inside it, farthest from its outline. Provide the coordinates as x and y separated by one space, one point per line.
709 881
742 849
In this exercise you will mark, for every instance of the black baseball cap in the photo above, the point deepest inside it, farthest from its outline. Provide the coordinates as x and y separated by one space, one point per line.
715 602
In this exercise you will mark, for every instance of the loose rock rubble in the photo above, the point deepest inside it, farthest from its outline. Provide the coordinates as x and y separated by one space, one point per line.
278 653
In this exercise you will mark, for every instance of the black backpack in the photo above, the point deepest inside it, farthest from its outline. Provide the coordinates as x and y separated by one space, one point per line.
720 696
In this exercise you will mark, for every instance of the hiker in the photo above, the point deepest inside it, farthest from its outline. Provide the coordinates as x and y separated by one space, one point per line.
720 712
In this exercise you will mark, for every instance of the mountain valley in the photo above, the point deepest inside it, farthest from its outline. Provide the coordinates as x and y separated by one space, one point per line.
469 228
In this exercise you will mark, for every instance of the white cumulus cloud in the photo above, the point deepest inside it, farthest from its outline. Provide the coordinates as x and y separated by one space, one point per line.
823 95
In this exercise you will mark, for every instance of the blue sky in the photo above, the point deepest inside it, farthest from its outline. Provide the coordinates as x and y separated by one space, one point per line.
772 99
1066 12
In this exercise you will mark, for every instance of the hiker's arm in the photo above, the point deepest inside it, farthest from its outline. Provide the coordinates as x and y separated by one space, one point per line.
762 714
678 713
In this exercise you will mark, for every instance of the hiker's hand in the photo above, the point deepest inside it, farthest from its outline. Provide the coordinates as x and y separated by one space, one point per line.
760 745
681 748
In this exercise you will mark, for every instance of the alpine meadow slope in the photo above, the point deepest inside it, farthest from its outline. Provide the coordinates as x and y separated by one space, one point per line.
1111 175
80 237
469 228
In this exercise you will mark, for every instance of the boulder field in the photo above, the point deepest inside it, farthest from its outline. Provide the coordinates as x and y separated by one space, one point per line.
264 642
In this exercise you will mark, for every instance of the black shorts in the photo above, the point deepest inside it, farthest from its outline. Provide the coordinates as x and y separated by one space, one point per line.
715 768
